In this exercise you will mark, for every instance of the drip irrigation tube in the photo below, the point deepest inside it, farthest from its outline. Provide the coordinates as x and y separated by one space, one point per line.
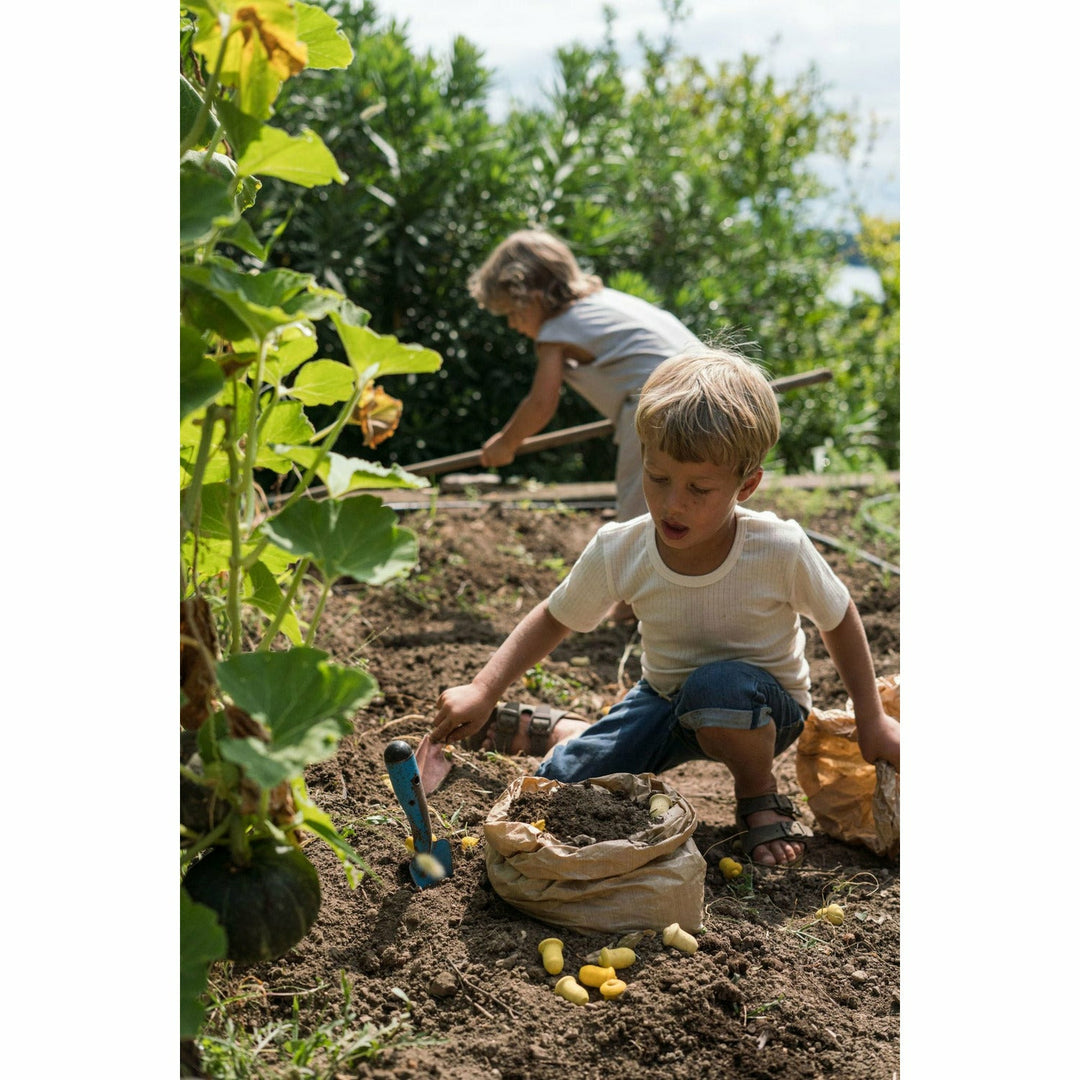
841 545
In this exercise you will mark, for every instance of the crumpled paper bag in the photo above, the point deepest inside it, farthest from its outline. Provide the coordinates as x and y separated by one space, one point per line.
649 880
852 800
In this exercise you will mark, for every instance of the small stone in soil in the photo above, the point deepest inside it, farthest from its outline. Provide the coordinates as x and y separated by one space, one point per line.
444 985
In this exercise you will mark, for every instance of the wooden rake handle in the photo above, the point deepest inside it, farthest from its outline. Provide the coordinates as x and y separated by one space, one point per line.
566 436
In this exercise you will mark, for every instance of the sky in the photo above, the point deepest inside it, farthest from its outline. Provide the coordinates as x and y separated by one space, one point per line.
855 45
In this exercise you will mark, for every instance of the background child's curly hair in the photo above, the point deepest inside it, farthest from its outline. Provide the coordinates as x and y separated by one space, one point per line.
531 263
710 405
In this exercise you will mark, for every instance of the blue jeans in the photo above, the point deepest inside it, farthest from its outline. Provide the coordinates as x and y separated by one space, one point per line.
648 733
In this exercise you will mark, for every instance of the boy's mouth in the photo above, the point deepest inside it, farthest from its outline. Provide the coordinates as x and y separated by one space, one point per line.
671 531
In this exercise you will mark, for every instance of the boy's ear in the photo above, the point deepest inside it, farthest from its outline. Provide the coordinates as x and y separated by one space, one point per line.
750 485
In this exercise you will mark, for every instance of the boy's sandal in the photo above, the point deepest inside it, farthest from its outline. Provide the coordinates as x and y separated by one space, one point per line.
792 830
505 721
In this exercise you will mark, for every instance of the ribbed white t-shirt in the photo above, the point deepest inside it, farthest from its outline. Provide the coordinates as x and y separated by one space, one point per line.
748 608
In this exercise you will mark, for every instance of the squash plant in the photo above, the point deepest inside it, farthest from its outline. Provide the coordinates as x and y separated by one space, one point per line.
259 701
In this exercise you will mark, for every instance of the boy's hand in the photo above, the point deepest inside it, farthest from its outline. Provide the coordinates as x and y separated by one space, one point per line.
460 712
879 738
497 451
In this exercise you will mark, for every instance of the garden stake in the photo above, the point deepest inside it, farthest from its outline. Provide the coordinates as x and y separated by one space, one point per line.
405 780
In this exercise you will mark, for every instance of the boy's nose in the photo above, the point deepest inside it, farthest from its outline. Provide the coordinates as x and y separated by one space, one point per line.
673 503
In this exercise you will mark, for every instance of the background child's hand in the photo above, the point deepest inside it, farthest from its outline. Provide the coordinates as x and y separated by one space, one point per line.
497 451
460 712
879 738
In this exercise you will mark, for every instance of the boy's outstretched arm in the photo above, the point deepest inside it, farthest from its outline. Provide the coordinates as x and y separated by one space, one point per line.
462 710
877 732
533 413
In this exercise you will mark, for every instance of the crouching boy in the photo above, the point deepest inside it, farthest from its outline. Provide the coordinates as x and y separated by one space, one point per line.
719 592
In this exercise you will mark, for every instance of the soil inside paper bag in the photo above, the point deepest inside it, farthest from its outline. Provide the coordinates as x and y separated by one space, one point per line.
576 812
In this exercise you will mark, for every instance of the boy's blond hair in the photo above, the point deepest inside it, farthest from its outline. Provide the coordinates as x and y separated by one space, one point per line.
711 405
531 263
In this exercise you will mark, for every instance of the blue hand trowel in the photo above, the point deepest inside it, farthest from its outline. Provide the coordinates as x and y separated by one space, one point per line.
431 861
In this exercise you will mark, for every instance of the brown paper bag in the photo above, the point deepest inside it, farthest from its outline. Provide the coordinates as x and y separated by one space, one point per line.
852 800
647 881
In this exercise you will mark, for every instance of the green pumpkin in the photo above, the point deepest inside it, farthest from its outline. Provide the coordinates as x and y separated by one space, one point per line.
264 908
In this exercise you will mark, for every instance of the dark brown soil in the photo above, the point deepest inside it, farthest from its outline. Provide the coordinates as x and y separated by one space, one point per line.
575 811
452 972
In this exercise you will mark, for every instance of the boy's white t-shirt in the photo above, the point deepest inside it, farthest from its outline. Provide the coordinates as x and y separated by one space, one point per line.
748 608
627 336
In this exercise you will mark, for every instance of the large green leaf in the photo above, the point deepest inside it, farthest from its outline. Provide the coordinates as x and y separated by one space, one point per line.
213 522
356 537
285 424
190 105
255 304
200 378
327 46
295 345
303 700
202 942
240 128
342 474
206 205
366 349
300 159
214 552
352 474
323 382
261 589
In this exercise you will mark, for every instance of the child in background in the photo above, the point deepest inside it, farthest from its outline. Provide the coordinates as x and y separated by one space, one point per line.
719 591
602 342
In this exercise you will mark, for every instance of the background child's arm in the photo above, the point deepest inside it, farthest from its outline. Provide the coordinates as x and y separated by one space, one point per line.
878 733
462 710
535 411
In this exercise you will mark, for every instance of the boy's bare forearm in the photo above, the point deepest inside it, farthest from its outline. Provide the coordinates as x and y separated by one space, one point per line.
878 733
529 642
462 710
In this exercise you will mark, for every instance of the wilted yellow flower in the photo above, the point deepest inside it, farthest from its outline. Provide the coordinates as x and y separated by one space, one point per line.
377 413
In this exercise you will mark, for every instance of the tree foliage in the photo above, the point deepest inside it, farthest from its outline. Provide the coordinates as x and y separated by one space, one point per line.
691 186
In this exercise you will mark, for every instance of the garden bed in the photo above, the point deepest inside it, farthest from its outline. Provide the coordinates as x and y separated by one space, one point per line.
448 980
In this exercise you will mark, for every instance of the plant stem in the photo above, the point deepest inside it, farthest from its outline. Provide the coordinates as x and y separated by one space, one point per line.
209 94
235 542
190 509
286 604
323 597
251 447
327 445
209 839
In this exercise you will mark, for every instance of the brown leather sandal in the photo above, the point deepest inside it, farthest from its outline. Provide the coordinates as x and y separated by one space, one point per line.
778 830
505 722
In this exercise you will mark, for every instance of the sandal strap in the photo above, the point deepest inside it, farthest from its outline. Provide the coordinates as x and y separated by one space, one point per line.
541 724
506 722
505 727
778 830
772 801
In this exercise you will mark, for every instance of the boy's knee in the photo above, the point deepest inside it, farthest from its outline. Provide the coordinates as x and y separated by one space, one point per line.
722 742
725 686
737 697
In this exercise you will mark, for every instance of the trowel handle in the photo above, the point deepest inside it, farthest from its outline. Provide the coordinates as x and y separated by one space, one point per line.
405 780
